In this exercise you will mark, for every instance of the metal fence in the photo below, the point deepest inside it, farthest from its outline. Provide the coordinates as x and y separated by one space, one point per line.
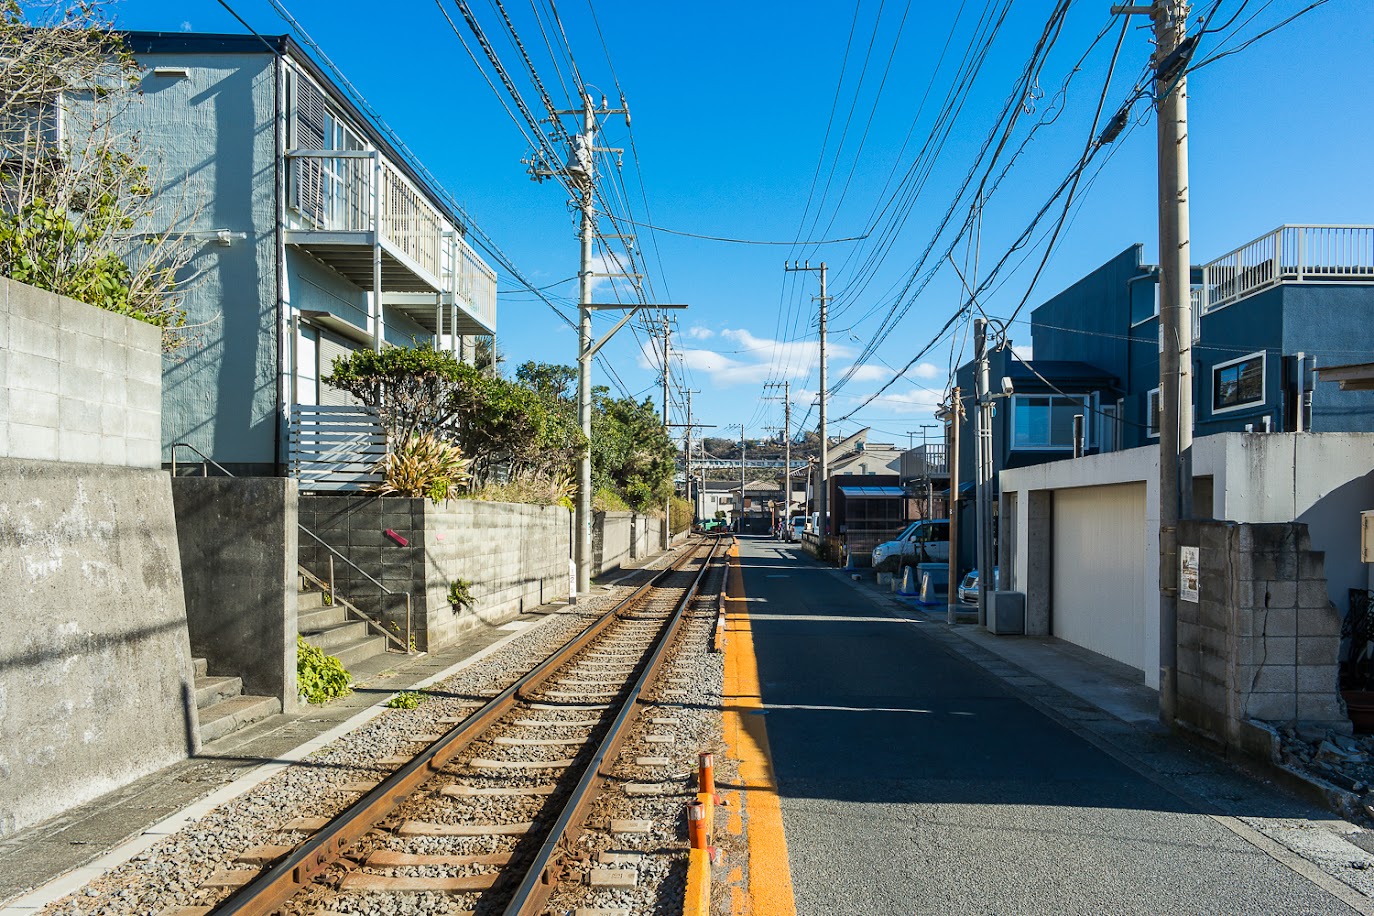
335 448
1289 254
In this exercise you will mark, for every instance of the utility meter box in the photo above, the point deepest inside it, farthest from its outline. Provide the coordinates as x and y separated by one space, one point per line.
1007 613
1367 536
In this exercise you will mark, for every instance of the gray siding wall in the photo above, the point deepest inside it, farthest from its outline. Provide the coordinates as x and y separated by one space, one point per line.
215 134
96 663
81 384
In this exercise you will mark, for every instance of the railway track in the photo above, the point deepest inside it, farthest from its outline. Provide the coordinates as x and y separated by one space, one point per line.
487 817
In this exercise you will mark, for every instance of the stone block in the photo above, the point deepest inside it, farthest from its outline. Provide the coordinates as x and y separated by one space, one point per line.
1280 650
30 372
1280 594
1275 679
1271 707
1214 613
1281 622
38 442
1319 707
1212 537
1317 679
78 447
142 395
1312 565
1247 622
142 424
113 451
79 415
35 408
1312 593
35 304
39 338
1213 667
1317 650
140 365
78 381
1323 622
1274 565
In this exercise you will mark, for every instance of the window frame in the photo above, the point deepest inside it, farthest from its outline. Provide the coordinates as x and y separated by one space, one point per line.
1153 415
1263 356
1072 399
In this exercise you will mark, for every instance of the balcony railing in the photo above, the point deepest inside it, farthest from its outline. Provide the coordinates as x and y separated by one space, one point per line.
925 461
347 201
1290 254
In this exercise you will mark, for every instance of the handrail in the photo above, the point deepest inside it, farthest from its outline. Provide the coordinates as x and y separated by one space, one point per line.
206 473
376 625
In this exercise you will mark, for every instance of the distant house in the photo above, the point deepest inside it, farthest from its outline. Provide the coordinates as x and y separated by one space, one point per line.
318 237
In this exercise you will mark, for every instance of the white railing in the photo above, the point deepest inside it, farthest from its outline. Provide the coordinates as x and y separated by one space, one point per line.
409 222
925 461
1290 254
335 448
470 279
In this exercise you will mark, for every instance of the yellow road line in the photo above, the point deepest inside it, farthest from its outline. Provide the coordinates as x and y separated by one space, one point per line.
746 740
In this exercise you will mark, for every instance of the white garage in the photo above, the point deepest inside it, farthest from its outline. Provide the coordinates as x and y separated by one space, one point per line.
1099 568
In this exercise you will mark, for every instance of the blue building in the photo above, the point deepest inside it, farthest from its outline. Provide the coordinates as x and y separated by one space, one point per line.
1266 317
317 237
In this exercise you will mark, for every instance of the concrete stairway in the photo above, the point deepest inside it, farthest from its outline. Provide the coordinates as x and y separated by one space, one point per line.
328 628
223 707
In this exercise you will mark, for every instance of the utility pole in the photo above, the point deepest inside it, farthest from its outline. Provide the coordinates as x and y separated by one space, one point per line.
687 448
983 455
786 385
954 415
580 172
668 499
822 494
1173 50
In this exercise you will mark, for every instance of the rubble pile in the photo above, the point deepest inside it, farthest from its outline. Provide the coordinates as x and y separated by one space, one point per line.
1346 761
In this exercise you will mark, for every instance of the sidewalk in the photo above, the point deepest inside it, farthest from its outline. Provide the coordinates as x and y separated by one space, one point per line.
76 843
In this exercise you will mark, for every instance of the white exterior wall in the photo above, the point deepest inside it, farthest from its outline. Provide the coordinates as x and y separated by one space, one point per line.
1321 479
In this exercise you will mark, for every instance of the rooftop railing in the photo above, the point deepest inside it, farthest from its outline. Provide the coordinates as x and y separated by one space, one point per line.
1290 254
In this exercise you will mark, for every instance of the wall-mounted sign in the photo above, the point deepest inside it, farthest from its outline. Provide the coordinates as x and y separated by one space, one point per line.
1187 573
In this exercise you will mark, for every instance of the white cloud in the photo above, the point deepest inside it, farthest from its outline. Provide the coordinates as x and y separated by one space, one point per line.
926 370
1022 351
867 373
697 332
186 26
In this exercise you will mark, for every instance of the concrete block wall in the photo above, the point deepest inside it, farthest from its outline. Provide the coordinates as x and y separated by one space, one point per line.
237 539
1262 640
95 667
515 557
612 540
82 384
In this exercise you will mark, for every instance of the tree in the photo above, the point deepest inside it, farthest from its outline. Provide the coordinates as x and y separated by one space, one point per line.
75 188
632 453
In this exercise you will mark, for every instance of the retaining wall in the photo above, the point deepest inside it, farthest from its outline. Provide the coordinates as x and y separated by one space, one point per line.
81 384
237 539
514 556
1262 640
95 668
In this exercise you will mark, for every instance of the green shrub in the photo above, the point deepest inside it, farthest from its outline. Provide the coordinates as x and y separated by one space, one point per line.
460 594
405 700
320 677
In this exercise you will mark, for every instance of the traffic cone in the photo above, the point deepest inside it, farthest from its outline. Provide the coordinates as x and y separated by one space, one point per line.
908 588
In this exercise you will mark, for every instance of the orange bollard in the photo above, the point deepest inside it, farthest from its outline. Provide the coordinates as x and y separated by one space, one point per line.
696 826
706 775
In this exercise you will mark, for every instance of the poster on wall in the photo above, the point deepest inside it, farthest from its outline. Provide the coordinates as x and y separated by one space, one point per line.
1187 573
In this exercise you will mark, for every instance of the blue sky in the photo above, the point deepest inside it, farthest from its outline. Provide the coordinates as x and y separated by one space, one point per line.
737 124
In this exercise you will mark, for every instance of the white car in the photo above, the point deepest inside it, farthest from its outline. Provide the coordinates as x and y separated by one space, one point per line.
792 531
968 588
926 541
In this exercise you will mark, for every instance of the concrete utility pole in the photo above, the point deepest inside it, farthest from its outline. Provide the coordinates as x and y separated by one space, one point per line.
687 448
580 172
667 500
822 493
1173 49
786 386
983 496
955 414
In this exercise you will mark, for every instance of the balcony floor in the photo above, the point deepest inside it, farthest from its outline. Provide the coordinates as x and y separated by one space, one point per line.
350 253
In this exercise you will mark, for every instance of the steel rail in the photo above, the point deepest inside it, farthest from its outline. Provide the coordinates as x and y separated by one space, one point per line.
280 881
542 877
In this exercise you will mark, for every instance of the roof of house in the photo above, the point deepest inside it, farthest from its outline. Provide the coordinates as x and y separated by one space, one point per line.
284 45
873 492
1059 371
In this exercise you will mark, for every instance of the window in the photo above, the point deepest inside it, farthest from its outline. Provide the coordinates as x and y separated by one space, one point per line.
1046 421
1152 408
1238 383
25 129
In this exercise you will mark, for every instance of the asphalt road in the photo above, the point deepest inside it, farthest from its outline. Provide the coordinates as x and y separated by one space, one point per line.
914 782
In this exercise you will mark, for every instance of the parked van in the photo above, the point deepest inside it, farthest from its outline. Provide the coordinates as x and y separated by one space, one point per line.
792 531
925 541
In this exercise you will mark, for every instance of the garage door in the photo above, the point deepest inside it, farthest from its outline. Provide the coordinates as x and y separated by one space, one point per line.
1099 570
